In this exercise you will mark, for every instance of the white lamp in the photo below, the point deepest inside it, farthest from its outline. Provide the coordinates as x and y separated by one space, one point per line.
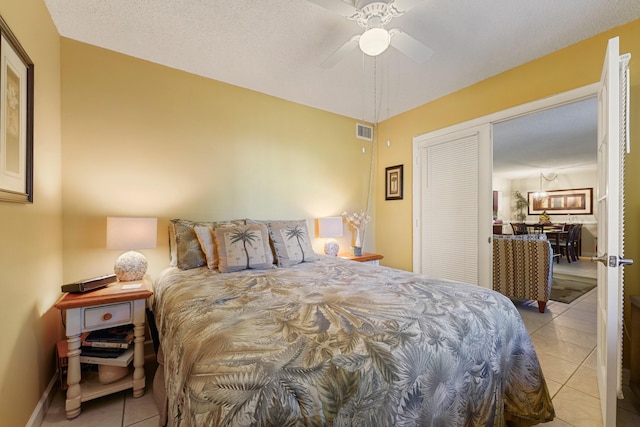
130 234
329 228
376 39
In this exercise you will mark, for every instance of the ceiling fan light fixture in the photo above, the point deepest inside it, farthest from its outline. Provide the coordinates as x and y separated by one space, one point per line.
374 41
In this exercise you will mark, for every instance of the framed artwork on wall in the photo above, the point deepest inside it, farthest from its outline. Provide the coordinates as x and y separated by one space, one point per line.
393 183
577 201
16 119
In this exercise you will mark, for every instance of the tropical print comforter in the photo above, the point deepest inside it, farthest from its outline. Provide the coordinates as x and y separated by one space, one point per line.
340 343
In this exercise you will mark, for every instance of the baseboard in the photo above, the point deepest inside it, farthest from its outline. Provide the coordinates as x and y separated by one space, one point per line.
43 405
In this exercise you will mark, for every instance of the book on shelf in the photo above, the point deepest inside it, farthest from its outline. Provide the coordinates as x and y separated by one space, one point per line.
105 344
121 335
106 353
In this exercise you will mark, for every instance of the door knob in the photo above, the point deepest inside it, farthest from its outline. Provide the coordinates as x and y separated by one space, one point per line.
612 260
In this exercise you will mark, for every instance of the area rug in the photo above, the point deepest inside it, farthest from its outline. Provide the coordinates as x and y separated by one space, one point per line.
566 289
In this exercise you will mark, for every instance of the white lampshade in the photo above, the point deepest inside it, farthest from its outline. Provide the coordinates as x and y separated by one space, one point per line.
131 233
374 41
329 228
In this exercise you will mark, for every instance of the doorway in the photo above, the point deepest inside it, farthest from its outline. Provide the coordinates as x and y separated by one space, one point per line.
554 149
485 227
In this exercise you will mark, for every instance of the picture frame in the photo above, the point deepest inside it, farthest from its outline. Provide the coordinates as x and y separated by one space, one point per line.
576 201
16 119
394 182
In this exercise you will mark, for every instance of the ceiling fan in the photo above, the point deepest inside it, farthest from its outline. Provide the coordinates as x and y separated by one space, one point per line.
373 15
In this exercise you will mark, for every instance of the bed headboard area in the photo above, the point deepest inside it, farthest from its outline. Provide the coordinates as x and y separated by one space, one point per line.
239 244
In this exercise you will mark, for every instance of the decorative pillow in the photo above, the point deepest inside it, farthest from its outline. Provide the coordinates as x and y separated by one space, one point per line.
207 244
243 247
205 238
185 251
291 242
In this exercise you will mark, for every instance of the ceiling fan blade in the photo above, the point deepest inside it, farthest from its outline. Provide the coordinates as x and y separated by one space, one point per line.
403 6
411 47
341 53
337 6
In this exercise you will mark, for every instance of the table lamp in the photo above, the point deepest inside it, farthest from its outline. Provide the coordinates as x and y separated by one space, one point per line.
330 227
131 234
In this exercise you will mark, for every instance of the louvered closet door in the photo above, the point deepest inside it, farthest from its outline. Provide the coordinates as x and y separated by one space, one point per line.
449 208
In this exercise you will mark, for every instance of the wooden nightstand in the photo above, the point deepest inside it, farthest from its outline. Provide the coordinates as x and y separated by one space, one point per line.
120 303
366 258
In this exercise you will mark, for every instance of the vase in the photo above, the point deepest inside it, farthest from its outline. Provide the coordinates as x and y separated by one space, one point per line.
357 247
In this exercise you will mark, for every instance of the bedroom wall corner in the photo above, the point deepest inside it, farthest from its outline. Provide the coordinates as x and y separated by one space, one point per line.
31 234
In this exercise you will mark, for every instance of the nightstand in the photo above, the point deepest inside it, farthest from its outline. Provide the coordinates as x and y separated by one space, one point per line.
366 258
120 303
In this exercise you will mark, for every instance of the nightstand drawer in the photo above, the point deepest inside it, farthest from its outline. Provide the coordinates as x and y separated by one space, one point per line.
108 315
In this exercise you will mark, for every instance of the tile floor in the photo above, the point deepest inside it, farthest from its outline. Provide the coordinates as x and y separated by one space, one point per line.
564 337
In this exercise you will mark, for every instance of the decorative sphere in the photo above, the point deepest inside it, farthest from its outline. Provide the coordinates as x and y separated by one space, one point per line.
130 266
331 247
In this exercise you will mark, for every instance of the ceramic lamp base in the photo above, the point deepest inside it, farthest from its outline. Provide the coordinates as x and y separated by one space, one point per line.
130 266
331 247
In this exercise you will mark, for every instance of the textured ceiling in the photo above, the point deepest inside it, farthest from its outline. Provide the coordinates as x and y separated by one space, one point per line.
276 46
553 141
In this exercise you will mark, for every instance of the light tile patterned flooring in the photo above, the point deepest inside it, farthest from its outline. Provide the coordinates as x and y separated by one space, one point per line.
564 337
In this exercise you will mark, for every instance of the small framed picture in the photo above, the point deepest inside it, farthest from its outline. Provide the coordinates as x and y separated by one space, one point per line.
393 183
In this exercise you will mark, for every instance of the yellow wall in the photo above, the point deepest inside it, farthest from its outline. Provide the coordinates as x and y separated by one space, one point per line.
566 69
31 234
141 139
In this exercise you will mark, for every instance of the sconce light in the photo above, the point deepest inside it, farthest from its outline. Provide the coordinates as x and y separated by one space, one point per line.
330 227
130 234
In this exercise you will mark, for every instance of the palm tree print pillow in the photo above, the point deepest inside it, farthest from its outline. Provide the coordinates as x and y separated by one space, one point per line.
243 247
291 242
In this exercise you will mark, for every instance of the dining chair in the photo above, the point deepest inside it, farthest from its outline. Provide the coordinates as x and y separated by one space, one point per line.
519 228
568 245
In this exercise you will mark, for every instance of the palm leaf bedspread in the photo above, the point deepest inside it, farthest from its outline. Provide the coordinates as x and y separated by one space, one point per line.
339 343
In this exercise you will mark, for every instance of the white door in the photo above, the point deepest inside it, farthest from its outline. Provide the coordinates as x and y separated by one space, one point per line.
611 146
453 221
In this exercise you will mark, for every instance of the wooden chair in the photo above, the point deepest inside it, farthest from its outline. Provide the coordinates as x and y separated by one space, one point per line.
569 246
519 228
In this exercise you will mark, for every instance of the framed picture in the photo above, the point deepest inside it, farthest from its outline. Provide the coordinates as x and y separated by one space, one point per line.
578 201
393 183
16 119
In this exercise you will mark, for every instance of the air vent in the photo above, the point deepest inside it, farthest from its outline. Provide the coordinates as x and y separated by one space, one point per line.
364 132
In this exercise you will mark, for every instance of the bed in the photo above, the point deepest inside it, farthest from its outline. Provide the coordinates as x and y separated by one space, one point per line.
332 342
